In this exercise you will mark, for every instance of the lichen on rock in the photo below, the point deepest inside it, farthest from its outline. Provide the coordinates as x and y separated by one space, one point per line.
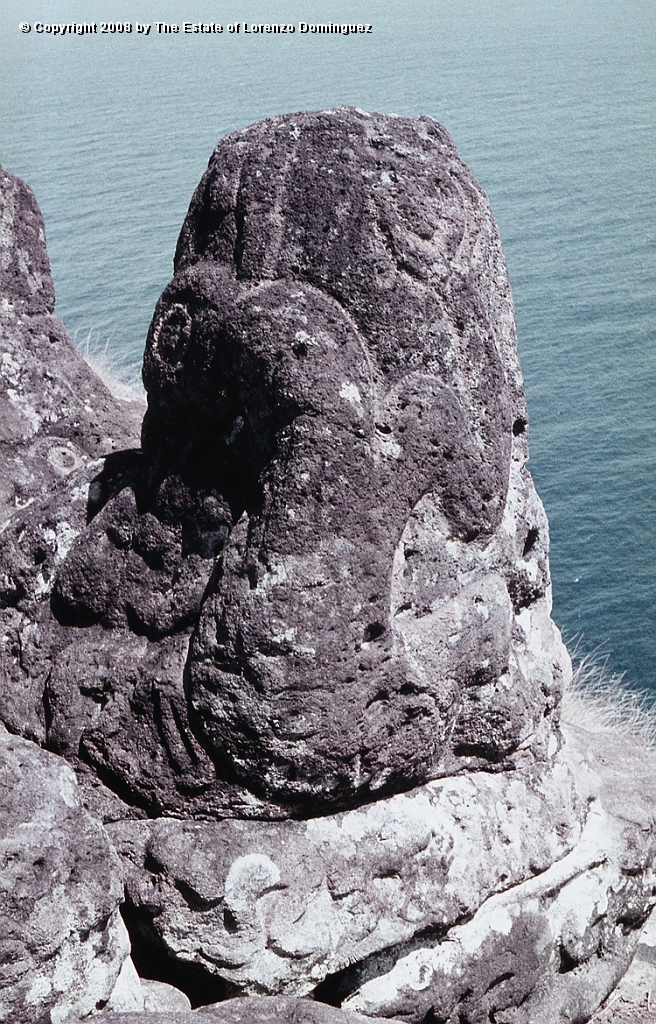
62 939
296 641
332 508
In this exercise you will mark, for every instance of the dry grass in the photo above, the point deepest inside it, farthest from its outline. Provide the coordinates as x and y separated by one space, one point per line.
117 372
598 700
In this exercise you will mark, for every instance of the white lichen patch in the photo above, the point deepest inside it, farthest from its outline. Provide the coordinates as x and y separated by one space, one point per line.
350 393
10 368
25 407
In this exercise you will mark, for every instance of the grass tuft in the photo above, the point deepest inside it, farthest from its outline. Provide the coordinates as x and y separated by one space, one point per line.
598 700
117 372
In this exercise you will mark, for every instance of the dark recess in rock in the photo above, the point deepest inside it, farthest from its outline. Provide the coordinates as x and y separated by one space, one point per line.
154 961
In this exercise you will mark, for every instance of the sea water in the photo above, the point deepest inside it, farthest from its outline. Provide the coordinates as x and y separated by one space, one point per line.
550 104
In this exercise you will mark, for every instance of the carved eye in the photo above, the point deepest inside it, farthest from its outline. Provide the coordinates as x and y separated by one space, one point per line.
172 334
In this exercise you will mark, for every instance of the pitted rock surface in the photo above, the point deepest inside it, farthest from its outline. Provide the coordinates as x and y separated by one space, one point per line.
508 896
281 906
249 1010
553 948
323 579
55 413
332 521
57 422
62 940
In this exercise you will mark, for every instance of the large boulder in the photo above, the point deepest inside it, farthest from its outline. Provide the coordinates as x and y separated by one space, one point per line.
62 940
331 536
469 896
319 592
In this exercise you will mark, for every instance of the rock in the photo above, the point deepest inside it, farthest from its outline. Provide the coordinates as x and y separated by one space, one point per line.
634 999
317 596
280 906
331 535
339 276
62 940
127 994
253 1010
158 1017
160 996
552 948
363 632
55 413
57 420
277 1010
512 892
134 994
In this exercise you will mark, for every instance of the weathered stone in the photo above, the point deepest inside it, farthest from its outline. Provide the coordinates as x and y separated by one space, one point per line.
127 995
331 523
552 948
268 905
55 414
634 999
57 420
278 1010
528 892
339 282
107 697
324 580
160 996
134 994
62 941
252 1010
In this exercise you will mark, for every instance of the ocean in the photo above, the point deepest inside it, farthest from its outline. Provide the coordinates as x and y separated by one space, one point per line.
552 107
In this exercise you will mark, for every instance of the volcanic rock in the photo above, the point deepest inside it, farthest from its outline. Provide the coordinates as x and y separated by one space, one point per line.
467 896
332 532
62 940
251 1010
318 592
133 994
55 414
57 419
553 948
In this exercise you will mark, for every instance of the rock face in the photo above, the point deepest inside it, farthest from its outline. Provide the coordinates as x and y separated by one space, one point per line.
253 1010
335 411
62 940
55 414
318 596
553 948
464 898
57 420
281 906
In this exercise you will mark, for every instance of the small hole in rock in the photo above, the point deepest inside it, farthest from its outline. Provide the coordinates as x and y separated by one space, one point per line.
567 962
229 921
531 538
153 960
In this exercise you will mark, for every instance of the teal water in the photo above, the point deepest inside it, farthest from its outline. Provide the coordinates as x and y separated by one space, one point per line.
551 105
